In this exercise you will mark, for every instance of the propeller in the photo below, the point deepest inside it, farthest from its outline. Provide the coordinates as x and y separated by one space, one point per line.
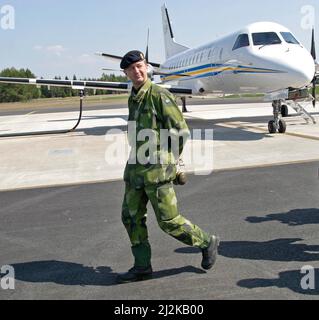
313 53
153 68
148 39
150 67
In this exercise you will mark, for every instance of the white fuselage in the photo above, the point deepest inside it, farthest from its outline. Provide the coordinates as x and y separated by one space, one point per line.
266 58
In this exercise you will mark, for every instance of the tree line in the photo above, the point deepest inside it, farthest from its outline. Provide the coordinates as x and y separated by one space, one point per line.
17 93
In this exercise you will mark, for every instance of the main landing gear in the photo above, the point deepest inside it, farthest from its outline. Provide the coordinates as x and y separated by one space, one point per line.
184 104
277 124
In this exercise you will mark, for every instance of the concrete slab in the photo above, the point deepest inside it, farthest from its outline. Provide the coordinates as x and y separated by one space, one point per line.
240 139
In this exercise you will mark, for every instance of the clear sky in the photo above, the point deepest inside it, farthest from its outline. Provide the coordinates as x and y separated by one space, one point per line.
60 37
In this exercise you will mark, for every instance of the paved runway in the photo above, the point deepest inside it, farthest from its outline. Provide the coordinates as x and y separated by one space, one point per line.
68 242
61 200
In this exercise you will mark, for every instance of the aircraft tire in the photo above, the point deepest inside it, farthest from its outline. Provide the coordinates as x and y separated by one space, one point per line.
284 110
282 126
271 126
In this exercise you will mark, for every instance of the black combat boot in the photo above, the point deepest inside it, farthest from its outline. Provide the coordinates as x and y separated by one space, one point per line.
210 253
135 274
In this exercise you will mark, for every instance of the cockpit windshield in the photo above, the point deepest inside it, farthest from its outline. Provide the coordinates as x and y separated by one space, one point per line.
265 38
289 38
241 41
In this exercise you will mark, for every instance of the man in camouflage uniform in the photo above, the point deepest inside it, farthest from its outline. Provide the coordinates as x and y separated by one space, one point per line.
150 171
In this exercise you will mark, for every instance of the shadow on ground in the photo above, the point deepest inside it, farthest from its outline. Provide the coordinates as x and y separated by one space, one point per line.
293 280
273 250
69 273
296 217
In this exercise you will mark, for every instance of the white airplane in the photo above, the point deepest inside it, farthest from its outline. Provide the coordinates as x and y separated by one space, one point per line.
263 57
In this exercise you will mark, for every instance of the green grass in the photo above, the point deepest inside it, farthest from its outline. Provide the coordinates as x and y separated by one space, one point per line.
112 98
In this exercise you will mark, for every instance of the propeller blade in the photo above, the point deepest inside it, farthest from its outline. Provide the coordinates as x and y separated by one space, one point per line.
314 81
313 45
146 52
313 54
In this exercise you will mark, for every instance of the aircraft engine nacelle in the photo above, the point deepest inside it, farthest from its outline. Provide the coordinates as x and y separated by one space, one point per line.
199 87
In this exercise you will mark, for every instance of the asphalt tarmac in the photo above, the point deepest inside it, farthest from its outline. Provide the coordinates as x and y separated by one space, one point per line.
69 242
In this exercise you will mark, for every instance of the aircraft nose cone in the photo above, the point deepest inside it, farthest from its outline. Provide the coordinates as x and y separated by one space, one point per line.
302 71
306 74
295 65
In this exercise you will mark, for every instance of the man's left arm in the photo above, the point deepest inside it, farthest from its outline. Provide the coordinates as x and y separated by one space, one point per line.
174 120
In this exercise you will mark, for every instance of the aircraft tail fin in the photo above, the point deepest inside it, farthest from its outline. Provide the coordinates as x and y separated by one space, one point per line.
171 47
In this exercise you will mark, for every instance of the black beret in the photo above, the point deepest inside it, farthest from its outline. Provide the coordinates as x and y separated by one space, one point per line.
131 57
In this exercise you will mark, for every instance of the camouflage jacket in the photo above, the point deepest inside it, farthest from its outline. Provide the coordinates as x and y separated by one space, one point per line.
157 133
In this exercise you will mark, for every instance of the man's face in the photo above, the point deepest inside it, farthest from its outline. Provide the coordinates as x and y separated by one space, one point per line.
137 73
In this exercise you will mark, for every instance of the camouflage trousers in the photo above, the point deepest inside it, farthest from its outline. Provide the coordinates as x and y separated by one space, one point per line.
164 203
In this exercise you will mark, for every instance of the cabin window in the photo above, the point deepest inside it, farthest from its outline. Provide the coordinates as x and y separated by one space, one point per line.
193 60
289 38
265 38
242 41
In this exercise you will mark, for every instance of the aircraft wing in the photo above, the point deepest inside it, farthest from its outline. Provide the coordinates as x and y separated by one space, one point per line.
74 84
81 85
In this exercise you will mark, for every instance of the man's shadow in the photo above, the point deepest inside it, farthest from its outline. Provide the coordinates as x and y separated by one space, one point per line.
69 273
273 250
296 217
293 280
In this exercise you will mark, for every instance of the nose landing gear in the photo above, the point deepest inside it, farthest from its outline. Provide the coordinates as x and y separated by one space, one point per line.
277 124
